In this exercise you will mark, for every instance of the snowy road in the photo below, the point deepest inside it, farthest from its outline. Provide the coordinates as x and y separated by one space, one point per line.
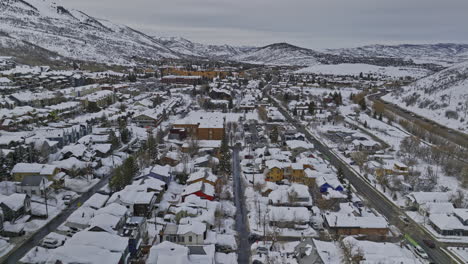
241 215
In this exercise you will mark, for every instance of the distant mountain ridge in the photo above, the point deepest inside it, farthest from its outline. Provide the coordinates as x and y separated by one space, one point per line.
443 53
43 30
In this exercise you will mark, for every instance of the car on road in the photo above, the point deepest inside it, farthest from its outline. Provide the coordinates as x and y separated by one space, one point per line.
404 219
421 252
429 243
254 238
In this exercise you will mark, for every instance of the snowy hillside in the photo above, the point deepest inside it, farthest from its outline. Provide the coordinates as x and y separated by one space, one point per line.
74 34
442 54
442 97
189 48
356 69
280 54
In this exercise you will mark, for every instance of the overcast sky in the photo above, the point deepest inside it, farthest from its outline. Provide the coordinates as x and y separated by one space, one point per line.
309 23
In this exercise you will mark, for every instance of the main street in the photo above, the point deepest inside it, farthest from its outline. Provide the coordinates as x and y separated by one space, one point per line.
243 251
373 196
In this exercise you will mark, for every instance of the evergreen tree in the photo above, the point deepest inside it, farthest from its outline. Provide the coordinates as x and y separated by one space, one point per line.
340 174
152 147
114 140
125 135
117 181
129 170
274 134
92 107
363 104
295 111
230 103
311 109
224 166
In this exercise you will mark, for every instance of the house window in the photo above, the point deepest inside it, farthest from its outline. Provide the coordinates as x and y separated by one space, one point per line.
190 238
167 238
182 239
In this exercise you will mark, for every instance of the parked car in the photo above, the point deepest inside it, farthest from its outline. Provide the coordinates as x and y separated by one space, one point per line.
51 243
67 199
429 243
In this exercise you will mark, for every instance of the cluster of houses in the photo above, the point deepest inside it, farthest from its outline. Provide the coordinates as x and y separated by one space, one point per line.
437 208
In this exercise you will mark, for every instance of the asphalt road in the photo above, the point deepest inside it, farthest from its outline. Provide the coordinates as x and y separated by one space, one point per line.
243 251
452 135
16 254
373 196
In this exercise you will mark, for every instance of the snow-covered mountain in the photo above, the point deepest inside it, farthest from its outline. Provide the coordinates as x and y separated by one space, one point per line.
280 54
442 97
73 34
442 54
189 48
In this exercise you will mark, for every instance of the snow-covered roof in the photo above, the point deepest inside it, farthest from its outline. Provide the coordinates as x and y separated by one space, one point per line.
207 189
96 201
100 240
193 227
341 220
374 252
447 222
204 173
14 201
73 253
41 169
425 197
288 214
168 252
162 170
113 209
107 222
297 144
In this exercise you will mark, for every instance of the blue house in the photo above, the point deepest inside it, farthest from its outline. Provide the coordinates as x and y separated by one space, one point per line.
159 172
325 184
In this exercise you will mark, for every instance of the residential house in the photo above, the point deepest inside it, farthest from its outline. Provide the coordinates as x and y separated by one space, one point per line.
289 217
33 169
416 199
159 172
312 251
136 230
34 185
202 175
346 224
15 206
201 189
168 252
274 171
193 233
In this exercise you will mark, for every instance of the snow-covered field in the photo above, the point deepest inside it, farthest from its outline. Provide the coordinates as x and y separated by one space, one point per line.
357 69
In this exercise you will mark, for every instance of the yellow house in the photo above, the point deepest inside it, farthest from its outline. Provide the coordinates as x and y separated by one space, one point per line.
34 169
297 172
274 171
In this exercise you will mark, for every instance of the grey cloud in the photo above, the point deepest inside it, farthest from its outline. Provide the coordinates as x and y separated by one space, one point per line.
309 23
